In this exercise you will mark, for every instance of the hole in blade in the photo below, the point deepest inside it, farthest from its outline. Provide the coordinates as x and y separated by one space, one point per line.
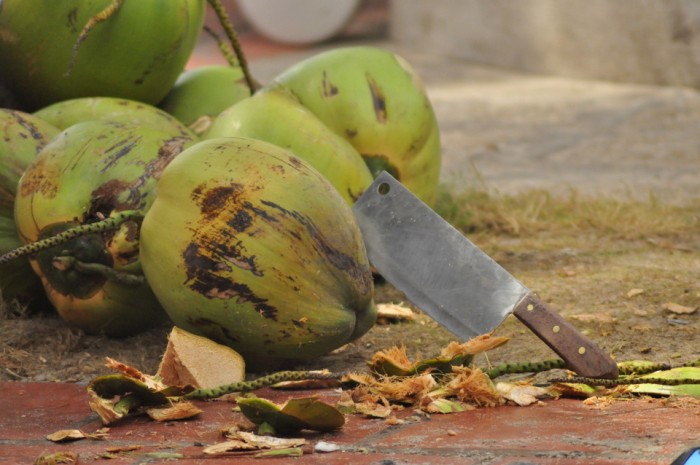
383 188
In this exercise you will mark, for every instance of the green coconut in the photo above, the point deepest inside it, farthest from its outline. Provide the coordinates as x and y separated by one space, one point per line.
279 118
128 48
200 94
250 246
22 136
79 110
376 101
89 172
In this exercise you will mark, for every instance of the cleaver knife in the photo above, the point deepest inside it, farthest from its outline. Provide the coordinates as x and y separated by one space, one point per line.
453 281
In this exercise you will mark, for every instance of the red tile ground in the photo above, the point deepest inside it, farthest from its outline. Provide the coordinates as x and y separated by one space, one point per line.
561 432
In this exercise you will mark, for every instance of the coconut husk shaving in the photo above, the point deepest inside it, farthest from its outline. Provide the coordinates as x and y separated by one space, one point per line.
397 381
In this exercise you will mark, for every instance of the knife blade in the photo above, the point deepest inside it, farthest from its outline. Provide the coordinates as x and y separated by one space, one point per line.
453 281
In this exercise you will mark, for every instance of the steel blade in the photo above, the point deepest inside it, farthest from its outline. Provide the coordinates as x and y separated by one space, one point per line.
441 271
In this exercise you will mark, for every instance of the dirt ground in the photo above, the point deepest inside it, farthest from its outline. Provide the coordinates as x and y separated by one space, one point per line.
634 293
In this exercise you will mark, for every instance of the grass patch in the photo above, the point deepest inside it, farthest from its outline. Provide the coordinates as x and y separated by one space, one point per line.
537 211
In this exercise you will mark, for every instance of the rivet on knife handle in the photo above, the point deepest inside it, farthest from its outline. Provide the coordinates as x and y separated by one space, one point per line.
580 354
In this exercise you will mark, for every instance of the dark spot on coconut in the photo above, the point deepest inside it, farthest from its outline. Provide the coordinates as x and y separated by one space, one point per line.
166 153
213 201
40 178
33 131
110 196
354 195
351 133
132 230
378 100
71 19
259 212
241 220
296 162
279 169
118 151
343 262
328 89
268 311
203 277
235 254
214 330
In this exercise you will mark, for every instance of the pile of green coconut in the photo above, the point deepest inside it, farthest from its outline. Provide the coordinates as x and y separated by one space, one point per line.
133 190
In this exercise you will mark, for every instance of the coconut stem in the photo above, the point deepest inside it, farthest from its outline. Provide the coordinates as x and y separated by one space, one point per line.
608 383
524 367
107 272
224 47
235 43
242 386
100 17
107 224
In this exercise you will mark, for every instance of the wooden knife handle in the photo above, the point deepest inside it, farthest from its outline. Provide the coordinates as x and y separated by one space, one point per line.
579 353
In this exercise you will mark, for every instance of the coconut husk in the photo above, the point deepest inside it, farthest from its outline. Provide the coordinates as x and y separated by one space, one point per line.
191 360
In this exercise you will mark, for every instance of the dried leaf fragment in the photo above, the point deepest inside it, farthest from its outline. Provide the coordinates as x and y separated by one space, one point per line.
152 382
599 402
57 458
244 441
634 292
291 452
66 435
388 313
178 411
678 309
395 361
374 410
445 406
232 445
104 408
122 449
408 389
471 385
392 362
473 346
269 442
522 394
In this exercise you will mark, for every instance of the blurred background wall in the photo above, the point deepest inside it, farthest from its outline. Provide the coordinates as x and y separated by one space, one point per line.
636 41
